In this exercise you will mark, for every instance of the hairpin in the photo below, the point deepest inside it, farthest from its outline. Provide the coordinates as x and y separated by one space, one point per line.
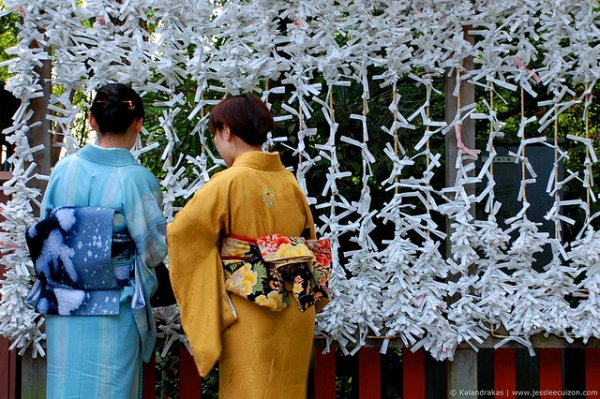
129 103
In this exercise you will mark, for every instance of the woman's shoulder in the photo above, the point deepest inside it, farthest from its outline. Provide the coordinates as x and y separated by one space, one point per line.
139 171
219 180
138 175
67 159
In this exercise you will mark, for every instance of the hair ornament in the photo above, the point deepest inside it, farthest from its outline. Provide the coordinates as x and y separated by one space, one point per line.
129 103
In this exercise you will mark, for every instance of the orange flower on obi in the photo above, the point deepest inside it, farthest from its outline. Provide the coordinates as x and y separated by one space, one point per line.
322 251
282 239
282 249
272 242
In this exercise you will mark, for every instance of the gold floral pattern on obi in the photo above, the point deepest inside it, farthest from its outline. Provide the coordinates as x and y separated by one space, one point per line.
282 250
242 281
257 269
273 301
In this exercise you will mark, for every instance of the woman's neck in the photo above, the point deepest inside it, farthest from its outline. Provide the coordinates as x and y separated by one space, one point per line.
115 140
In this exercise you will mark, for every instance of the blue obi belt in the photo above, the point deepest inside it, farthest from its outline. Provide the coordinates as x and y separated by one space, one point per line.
80 262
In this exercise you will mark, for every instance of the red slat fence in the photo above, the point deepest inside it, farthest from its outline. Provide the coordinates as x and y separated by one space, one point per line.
8 367
414 376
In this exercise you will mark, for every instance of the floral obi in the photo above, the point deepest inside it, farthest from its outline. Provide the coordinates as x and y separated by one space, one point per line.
81 262
258 269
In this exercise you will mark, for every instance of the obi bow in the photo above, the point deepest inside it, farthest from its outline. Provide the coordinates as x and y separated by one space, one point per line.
259 269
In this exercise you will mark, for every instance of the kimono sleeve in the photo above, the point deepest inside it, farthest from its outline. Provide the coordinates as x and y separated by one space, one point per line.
197 274
142 201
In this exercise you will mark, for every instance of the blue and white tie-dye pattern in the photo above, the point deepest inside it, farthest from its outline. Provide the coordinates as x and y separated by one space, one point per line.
100 356
80 262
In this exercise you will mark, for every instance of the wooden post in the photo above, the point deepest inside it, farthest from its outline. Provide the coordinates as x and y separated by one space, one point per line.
33 377
33 371
462 372
40 134
467 96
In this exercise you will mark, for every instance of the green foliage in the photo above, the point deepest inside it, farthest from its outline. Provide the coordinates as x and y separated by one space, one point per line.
8 38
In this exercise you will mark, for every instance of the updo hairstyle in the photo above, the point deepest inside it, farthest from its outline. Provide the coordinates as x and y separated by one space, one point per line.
115 107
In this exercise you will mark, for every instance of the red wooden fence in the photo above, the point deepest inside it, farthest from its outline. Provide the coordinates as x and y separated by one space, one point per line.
413 375
505 372
8 367
551 378
592 370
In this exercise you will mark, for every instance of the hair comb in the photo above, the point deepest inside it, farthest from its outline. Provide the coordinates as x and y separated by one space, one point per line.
129 103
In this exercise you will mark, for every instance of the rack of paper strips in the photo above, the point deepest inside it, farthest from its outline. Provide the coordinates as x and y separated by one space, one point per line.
420 285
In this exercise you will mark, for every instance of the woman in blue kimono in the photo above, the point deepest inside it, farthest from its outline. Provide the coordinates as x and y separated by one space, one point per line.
95 347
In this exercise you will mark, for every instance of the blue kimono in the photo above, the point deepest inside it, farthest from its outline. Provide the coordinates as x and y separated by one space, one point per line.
100 356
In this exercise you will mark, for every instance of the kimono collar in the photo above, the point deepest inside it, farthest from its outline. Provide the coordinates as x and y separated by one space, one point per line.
268 161
107 156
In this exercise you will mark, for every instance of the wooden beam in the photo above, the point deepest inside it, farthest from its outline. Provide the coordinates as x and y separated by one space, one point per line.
33 377
40 134
462 375
537 341
462 372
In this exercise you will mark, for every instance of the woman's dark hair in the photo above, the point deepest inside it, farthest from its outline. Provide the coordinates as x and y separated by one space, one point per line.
247 117
115 107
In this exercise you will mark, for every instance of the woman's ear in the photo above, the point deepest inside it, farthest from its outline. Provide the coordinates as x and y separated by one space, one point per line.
226 131
139 122
93 123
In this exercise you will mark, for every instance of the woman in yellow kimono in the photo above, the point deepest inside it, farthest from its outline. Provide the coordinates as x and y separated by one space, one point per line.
263 346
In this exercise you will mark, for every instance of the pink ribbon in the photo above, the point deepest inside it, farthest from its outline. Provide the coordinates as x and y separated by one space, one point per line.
460 144
519 61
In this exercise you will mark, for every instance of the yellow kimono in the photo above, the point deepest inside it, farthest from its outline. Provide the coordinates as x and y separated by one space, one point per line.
261 353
